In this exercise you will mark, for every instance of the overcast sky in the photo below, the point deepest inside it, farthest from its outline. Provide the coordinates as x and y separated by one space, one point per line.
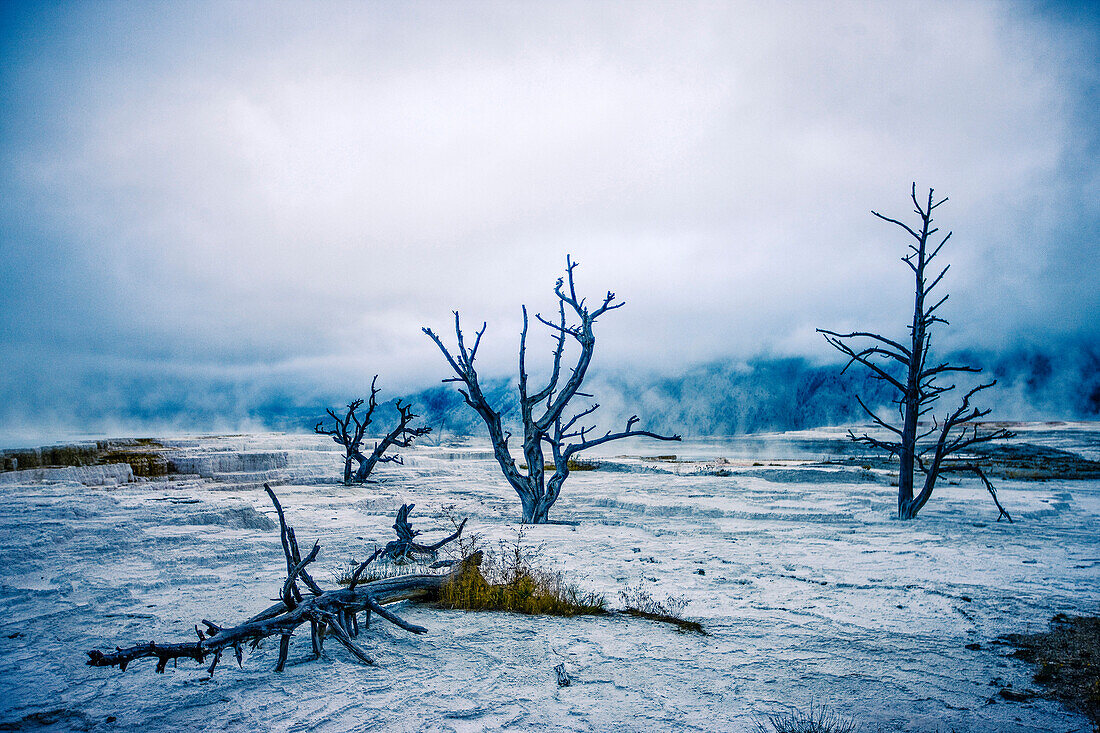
289 191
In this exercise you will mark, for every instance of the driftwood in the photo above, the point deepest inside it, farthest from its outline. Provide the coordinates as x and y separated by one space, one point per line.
328 612
562 675
405 549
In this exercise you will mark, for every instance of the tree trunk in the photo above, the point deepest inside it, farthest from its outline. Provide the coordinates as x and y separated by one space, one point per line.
551 427
533 511
538 512
908 460
366 465
335 610
535 507
907 508
918 389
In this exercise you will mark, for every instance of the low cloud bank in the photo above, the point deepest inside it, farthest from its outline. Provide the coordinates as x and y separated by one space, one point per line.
717 398
774 394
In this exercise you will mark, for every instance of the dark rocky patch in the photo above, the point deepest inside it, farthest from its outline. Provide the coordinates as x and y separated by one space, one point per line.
1067 661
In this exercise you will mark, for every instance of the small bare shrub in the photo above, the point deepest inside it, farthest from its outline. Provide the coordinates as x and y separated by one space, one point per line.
467 543
814 719
638 601
375 571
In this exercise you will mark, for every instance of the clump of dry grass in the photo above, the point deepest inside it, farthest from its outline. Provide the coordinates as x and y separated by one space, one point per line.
640 603
814 719
509 580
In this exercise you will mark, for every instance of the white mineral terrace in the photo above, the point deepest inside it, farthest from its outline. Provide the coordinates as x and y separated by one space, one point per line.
809 588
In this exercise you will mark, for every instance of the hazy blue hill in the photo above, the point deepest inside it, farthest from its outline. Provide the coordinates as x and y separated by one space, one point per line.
768 394
718 398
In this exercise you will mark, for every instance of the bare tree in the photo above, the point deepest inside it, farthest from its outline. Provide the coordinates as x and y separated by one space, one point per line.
907 368
542 411
350 429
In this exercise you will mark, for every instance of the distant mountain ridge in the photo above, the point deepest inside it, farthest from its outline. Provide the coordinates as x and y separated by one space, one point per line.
712 399
775 394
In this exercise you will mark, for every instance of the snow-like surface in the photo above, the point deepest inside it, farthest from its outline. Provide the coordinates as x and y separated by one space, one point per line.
811 591
111 474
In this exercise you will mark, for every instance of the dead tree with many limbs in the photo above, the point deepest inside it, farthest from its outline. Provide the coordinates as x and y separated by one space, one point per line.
915 378
349 431
543 411
332 613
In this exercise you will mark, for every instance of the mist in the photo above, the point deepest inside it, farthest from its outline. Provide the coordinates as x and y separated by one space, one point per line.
214 214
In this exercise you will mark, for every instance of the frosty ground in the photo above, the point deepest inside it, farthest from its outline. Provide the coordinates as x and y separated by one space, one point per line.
809 588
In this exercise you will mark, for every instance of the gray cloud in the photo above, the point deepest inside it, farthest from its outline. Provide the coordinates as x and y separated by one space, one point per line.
289 192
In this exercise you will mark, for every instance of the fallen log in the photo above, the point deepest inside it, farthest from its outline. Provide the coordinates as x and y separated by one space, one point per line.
333 612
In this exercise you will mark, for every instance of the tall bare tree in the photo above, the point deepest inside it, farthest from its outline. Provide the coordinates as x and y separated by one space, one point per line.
349 431
907 368
543 410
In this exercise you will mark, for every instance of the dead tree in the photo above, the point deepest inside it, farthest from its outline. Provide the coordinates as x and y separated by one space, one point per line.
405 548
346 431
542 411
350 429
329 612
915 378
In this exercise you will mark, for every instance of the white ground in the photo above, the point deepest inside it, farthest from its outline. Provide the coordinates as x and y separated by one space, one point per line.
811 591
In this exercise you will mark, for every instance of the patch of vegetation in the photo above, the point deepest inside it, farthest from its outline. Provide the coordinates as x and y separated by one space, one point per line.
83 454
1035 462
575 464
508 580
145 464
1068 661
815 719
640 603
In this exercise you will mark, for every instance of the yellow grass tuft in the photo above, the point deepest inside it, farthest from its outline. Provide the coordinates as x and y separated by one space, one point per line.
507 581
